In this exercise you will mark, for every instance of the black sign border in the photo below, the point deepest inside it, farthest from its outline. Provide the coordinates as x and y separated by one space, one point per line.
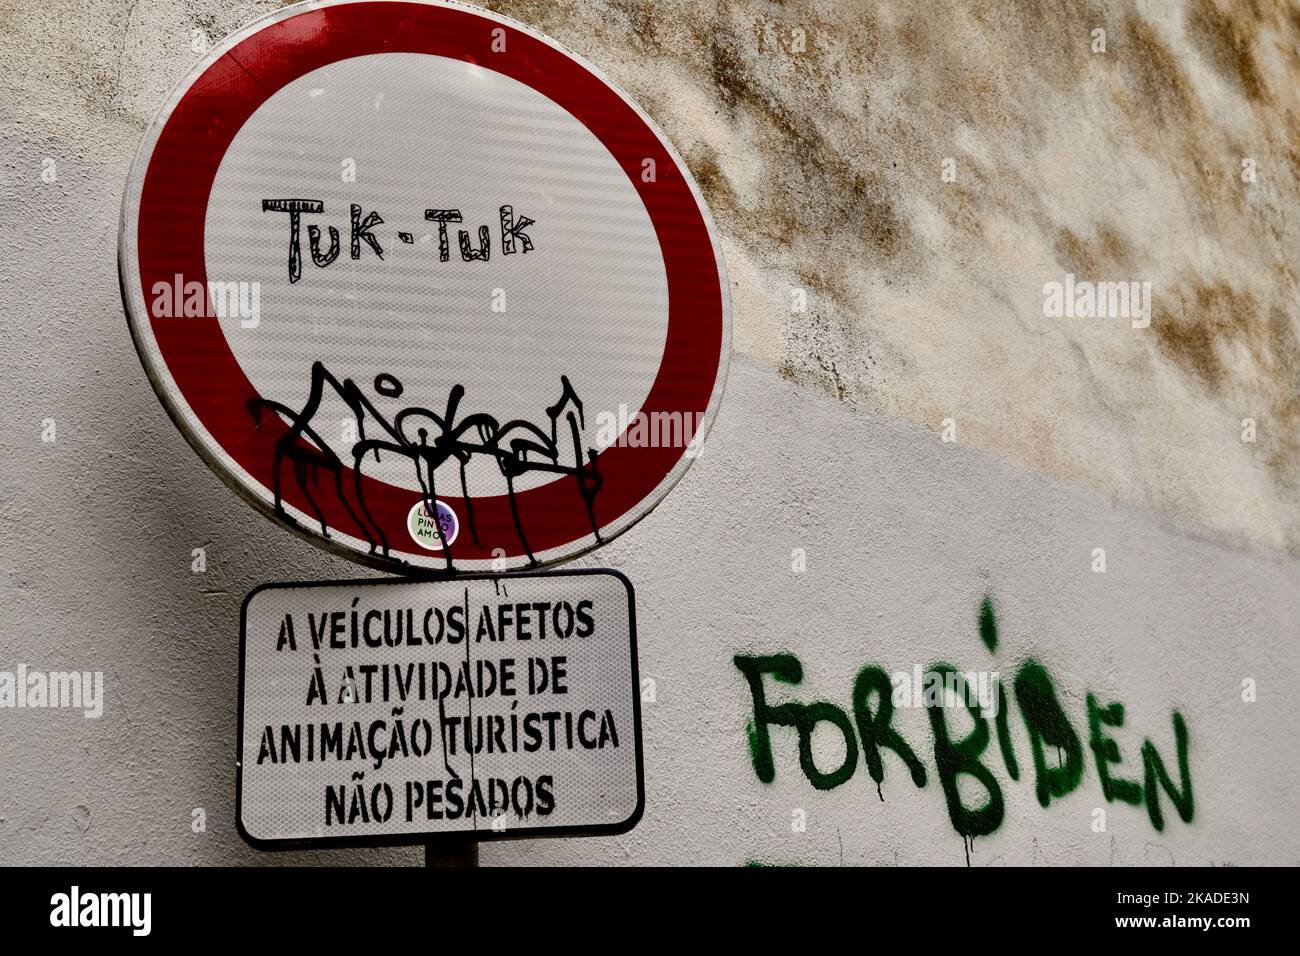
476 835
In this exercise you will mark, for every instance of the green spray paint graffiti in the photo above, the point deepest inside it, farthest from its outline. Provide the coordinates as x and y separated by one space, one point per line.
867 730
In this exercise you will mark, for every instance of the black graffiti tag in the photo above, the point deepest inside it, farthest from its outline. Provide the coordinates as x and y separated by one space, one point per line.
428 440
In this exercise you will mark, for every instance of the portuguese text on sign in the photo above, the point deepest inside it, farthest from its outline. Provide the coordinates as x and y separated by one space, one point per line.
377 711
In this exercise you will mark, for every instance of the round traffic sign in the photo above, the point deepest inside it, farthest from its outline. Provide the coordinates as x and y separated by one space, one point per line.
424 286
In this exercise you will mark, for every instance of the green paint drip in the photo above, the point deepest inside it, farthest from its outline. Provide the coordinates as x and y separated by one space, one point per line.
1004 733
988 625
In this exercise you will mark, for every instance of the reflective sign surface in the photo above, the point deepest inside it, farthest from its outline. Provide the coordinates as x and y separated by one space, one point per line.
424 287
381 711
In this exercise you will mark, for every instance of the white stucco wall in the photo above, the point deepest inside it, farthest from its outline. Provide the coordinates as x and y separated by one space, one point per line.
1070 437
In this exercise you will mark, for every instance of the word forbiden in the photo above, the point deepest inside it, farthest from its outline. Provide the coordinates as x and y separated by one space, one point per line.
876 698
361 230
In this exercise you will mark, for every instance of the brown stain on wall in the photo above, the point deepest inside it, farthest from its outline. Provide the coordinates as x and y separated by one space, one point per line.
1059 33
822 164
1197 321
1164 92
1226 41
1201 318
1205 327
816 188
1106 254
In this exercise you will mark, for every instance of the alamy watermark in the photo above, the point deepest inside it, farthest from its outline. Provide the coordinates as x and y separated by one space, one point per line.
70 690
946 689
133 911
193 299
650 430
1073 299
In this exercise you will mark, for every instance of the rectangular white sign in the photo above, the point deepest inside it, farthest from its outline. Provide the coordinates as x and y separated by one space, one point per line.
382 711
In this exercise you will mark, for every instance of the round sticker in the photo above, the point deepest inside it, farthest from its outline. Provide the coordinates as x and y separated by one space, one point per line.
381 254
433 527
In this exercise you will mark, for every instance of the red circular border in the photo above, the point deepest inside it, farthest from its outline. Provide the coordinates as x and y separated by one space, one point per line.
172 214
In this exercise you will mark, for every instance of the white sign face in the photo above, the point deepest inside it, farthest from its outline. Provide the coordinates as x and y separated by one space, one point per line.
377 711
424 287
